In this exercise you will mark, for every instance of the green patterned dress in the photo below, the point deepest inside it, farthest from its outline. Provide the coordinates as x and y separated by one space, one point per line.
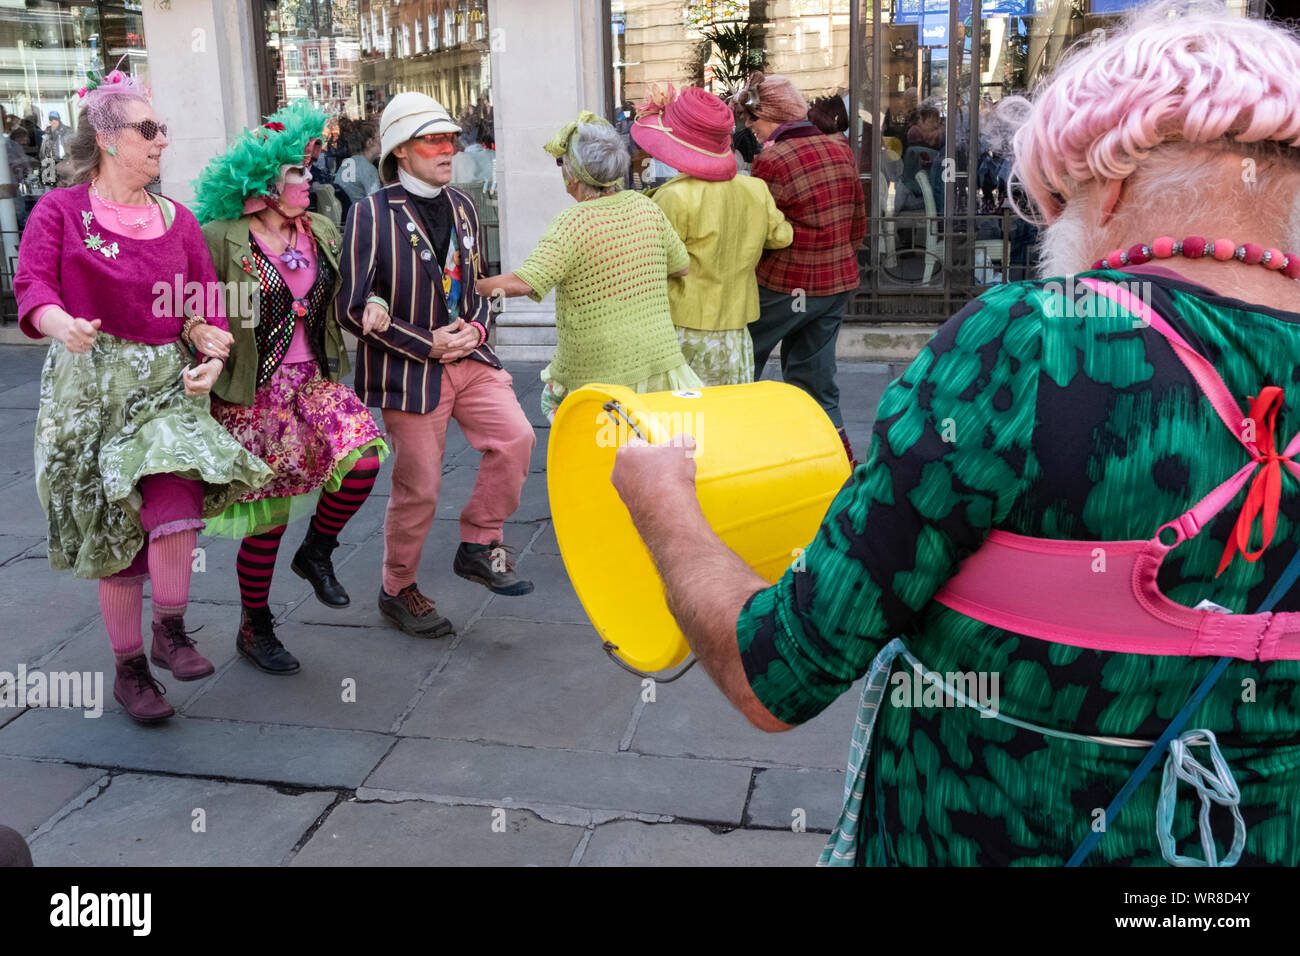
1048 422
108 418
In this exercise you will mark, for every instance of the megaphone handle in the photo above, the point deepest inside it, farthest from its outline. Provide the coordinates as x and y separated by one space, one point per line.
611 648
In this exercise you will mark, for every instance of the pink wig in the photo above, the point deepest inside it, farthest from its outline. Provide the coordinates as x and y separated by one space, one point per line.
1201 77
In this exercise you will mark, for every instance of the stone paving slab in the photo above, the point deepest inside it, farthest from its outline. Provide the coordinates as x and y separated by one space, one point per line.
546 543
22 513
149 821
20 421
13 545
385 670
32 791
17 437
425 834
629 843
40 609
778 793
458 484
694 789
553 599
26 395
186 745
519 682
20 364
691 718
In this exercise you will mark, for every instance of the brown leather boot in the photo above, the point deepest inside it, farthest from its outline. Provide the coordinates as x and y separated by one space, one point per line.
174 650
412 612
139 692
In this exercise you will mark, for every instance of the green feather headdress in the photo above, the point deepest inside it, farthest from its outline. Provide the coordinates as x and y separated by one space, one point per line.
251 166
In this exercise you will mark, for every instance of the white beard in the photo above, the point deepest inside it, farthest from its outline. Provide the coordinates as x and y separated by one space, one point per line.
1063 247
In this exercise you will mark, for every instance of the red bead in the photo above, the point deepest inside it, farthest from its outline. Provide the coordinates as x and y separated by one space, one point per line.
1193 247
1292 270
1136 255
1163 247
1276 259
1224 249
1254 252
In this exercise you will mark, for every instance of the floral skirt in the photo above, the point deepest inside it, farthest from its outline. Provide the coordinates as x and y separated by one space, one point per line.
108 418
720 357
309 430
676 378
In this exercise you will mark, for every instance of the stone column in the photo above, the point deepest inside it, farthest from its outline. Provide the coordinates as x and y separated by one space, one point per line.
546 66
203 75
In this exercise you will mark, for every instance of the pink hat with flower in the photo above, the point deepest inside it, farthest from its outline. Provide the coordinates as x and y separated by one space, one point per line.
689 131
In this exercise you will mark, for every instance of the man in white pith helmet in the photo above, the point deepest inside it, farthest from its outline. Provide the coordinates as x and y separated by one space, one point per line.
410 260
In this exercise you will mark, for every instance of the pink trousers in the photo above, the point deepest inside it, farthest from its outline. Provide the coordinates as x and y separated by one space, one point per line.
481 400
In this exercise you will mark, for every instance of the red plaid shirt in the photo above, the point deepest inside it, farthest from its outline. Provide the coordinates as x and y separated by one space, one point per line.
814 182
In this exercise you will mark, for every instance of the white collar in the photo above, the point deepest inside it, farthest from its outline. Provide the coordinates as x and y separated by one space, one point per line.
416 186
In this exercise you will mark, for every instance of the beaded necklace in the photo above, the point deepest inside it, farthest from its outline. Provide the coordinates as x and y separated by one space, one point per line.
140 222
1194 247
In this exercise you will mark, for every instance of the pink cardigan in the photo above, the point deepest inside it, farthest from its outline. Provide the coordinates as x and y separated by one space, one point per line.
138 287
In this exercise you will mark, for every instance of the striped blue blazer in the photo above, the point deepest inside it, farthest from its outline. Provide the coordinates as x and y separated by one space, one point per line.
387 253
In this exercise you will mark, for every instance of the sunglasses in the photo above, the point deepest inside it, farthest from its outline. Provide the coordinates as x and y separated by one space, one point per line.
147 128
436 139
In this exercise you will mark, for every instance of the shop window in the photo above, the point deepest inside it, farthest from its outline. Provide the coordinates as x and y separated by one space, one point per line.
45 51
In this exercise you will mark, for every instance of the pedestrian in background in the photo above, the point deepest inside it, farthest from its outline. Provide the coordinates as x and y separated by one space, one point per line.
358 175
725 221
804 287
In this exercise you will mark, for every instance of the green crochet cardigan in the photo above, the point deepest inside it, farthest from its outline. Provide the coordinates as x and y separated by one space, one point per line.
608 260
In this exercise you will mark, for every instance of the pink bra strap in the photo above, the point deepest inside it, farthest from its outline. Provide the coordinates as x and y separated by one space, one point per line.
1188 524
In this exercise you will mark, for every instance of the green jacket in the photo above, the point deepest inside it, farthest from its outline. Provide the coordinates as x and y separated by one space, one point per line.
228 244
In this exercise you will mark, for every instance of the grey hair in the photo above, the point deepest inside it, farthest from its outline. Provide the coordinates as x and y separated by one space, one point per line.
602 154
83 151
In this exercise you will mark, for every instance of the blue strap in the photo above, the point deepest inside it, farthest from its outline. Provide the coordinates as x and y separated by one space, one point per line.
1175 727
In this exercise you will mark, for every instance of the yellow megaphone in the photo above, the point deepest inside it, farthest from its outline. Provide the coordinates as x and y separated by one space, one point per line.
768 463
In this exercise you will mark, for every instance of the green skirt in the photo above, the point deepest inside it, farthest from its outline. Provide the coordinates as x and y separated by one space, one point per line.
720 357
108 418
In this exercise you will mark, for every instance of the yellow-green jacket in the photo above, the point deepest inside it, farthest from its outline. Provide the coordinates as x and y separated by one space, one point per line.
725 226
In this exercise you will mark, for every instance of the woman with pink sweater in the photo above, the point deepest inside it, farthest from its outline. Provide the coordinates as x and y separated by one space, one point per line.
128 459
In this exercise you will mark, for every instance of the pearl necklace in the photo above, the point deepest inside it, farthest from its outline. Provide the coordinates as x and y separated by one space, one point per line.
1194 247
140 222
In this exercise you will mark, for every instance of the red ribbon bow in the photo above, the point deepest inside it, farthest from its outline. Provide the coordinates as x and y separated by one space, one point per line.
278 127
1266 488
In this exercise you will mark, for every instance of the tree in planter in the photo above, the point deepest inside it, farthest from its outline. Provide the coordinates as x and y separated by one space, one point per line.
739 53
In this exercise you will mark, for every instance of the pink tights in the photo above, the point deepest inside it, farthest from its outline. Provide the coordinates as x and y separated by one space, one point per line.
121 599
170 515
